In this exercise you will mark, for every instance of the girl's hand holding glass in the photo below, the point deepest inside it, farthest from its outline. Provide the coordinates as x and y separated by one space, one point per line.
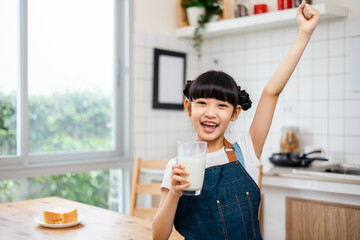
178 180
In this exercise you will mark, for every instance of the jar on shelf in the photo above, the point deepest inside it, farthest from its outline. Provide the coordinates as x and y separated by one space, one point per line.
242 8
298 2
284 4
289 140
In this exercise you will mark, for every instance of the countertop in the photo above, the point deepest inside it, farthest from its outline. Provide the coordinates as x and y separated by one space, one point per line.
302 178
304 173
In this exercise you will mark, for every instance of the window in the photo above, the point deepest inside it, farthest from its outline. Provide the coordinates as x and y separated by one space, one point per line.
70 75
98 188
63 86
9 75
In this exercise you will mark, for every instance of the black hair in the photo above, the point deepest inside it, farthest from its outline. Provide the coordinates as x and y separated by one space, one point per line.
218 85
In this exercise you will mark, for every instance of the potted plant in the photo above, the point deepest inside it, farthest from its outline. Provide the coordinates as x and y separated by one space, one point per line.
207 10
194 9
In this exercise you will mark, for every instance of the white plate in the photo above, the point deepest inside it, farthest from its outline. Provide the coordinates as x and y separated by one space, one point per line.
40 220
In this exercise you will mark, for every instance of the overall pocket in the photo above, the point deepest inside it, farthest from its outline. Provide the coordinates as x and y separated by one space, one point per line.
237 218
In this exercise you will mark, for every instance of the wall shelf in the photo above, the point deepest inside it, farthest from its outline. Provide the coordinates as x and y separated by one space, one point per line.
283 18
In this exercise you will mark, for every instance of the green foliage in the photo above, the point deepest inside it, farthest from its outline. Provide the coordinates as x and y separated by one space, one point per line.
88 187
60 122
209 4
8 190
192 3
7 124
69 122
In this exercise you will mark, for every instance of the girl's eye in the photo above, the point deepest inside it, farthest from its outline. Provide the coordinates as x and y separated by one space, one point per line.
201 103
222 105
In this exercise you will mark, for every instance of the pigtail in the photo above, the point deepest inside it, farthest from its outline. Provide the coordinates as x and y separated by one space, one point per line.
187 87
244 99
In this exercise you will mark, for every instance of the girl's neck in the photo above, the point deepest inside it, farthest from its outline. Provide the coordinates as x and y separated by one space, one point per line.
215 145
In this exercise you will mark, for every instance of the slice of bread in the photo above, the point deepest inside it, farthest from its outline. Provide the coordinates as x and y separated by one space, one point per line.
60 215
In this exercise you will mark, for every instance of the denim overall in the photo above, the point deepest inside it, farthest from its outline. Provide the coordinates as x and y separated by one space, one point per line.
228 205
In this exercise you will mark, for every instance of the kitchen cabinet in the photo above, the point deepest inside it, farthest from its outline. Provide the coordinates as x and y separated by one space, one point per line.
310 219
283 18
320 193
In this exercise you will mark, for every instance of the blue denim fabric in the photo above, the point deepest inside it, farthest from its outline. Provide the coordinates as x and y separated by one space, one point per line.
227 207
239 154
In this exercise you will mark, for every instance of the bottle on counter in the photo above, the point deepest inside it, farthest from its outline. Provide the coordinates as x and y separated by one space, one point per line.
289 140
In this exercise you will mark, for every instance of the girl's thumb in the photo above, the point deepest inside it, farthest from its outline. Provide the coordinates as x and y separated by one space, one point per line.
301 7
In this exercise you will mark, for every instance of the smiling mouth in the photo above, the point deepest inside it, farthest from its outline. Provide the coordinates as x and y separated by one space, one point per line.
209 126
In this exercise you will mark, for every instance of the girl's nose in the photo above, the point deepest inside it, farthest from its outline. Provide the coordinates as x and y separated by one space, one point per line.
210 113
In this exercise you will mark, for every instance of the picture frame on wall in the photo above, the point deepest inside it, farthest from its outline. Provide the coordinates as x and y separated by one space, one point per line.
169 79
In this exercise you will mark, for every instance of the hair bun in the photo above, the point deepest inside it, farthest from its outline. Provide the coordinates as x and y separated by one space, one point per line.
187 88
244 99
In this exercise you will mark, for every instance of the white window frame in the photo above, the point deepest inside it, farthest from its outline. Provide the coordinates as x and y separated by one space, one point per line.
25 165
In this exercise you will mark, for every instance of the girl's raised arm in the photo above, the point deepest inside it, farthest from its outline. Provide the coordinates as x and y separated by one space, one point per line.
307 20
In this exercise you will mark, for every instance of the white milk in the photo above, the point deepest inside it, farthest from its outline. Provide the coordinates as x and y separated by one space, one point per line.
196 168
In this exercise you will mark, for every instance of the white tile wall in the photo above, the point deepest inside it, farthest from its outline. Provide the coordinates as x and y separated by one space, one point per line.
317 98
155 131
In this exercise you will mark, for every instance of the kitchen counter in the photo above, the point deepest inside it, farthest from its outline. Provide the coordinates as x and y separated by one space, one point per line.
305 173
302 178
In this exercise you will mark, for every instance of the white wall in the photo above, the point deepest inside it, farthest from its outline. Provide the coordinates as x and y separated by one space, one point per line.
155 131
157 17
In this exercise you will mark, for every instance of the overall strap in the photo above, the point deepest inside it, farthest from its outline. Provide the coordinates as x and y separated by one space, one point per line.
230 151
234 152
239 154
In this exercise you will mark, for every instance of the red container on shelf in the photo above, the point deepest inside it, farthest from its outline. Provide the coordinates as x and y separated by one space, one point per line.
260 8
284 4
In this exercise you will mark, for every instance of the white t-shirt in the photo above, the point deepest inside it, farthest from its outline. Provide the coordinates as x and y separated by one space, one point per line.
219 157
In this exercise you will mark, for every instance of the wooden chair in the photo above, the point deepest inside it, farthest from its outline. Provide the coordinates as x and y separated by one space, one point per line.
147 188
144 188
261 206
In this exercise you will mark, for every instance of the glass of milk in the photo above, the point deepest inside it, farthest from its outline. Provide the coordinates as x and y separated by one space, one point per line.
192 155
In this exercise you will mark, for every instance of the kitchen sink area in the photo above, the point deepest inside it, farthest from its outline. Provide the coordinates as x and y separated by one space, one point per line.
335 171
338 169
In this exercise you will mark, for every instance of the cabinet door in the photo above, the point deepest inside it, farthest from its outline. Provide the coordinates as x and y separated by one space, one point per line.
310 219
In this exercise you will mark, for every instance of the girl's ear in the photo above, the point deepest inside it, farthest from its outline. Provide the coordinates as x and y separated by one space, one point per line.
236 113
187 106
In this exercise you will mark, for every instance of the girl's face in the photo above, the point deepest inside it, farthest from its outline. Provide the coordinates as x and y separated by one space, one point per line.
210 118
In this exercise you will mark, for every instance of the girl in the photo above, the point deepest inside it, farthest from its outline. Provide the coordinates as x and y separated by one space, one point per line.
228 205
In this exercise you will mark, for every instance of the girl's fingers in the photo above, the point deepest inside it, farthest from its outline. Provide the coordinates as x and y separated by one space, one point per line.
300 8
310 12
177 166
307 12
181 187
179 179
179 170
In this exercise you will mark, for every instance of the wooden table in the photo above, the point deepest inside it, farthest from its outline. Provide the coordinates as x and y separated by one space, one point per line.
17 222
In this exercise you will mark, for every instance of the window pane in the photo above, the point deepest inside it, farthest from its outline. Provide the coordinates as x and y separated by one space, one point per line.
98 188
70 75
9 74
